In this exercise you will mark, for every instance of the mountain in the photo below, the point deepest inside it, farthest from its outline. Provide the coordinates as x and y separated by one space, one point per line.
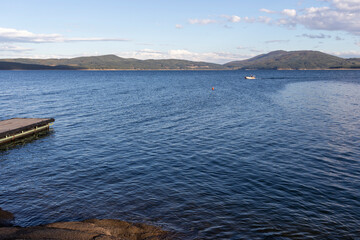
277 60
22 66
300 60
113 62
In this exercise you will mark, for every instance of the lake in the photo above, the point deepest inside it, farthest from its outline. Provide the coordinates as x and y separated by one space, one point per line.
273 158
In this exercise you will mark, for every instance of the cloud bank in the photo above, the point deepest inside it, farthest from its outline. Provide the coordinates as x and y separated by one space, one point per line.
339 15
14 35
202 21
214 57
315 36
13 48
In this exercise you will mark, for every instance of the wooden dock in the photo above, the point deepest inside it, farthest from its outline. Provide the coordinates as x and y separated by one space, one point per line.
15 128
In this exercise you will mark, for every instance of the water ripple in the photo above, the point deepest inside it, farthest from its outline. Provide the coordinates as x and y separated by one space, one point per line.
276 158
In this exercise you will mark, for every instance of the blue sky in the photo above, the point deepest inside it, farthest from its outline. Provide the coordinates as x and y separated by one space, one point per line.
200 30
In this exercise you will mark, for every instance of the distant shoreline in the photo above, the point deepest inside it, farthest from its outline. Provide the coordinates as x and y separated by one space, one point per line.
276 60
190 70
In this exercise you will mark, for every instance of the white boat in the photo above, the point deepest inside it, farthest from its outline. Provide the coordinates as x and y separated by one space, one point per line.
250 77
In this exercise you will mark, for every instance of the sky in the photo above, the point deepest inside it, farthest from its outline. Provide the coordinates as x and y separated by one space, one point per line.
217 31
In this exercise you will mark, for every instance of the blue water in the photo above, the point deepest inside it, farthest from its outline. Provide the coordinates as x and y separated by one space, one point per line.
272 158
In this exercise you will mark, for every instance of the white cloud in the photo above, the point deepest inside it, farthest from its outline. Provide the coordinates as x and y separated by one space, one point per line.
267 10
347 5
289 12
31 55
277 41
314 36
215 57
13 48
202 21
231 19
95 40
234 19
143 54
14 35
179 53
249 19
263 19
179 26
340 15
346 54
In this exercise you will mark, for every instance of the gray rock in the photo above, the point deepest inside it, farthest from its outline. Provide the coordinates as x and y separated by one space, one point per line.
6 218
106 229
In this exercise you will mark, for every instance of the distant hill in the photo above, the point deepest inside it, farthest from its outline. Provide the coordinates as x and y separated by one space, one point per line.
277 60
293 60
113 62
22 66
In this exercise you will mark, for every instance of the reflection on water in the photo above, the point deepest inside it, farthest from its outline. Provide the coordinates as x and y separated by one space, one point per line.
26 140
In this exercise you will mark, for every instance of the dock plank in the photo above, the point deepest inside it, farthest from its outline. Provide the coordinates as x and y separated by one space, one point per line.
16 125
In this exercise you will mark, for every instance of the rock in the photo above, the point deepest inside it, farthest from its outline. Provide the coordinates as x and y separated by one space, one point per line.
6 218
105 229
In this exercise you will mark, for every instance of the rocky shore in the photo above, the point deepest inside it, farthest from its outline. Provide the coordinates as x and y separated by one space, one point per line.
6 218
94 229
